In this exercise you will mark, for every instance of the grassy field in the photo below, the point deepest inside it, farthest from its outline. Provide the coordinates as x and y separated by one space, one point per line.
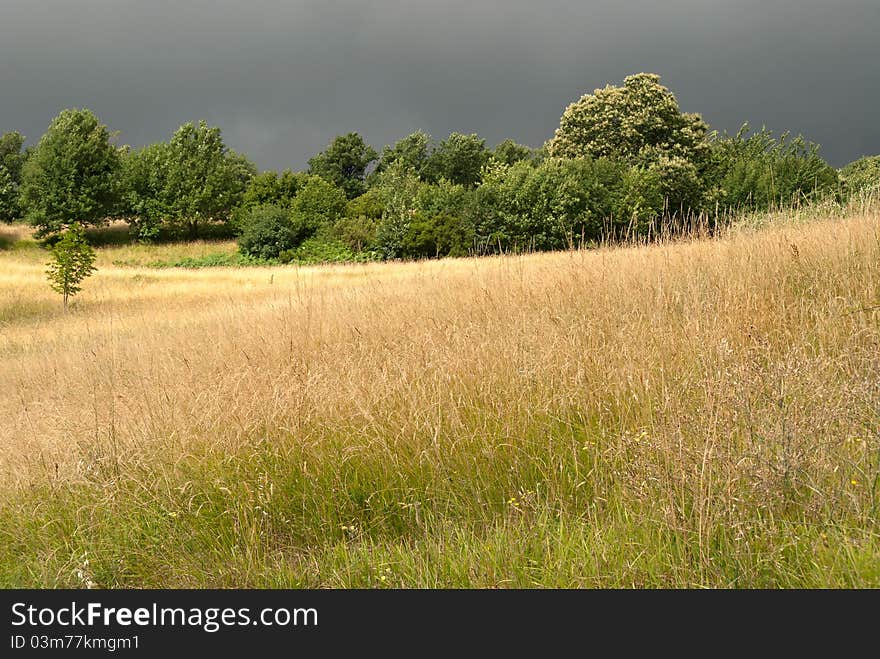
701 413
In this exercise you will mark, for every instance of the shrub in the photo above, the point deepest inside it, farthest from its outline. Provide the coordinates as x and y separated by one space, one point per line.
758 171
319 202
680 185
324 247
862 174
269 230
358 233
368 204
560 202
438 235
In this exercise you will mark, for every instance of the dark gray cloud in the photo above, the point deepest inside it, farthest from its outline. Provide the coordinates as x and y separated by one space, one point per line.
282 78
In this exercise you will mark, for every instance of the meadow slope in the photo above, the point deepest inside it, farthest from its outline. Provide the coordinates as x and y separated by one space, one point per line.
697 413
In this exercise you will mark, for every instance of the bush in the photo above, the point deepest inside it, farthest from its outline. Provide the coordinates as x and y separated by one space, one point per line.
862 174
368 204
680 185
758 171
270 230
358 233
436 236
561 202
319 202
324 247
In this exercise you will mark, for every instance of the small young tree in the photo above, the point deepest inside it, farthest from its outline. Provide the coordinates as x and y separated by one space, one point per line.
73 259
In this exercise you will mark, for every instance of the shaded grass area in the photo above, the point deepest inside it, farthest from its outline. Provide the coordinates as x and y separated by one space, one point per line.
556 510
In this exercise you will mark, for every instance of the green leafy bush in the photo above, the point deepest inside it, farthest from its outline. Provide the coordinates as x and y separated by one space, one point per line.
216 260
270 230
436 236
325 247
759 171
358 233
319 202
862 174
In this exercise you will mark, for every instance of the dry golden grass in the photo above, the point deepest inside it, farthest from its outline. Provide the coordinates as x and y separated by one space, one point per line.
704 412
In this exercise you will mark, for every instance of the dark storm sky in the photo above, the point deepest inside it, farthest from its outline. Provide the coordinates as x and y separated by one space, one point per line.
282 78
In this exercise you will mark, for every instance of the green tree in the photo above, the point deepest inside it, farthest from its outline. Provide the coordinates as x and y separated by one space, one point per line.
72 175
319 201
398 187
181 184
561 202
203 180
509 152
440 235
144 174
344 163
73 260
413 151
12 160
271 188
459 159
636 123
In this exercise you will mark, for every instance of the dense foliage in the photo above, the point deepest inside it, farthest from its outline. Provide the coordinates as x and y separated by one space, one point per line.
73 174
862 175
758 171
344 163
638 123
625 161
12 160
190 180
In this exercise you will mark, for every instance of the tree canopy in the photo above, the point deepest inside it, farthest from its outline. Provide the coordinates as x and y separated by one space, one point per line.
459 158
344 163
12 160
72 175
191 179
637 123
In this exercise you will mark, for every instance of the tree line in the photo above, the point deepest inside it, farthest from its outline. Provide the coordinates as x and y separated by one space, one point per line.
624 160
